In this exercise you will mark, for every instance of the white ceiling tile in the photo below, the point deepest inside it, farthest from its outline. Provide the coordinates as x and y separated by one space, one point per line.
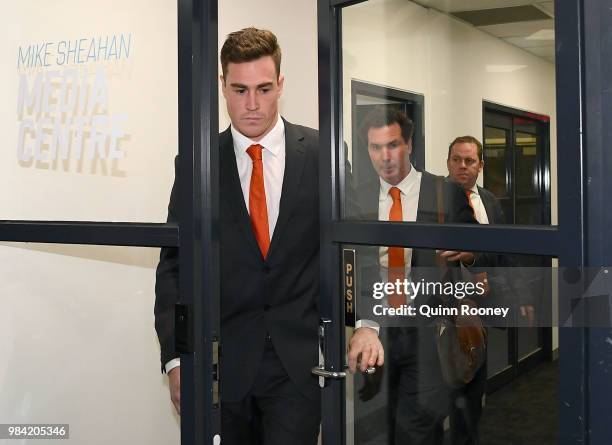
522 42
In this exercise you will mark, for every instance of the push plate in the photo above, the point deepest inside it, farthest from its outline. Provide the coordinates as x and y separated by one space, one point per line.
349 288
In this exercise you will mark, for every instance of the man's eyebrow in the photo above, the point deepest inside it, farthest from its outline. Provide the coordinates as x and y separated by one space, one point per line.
261 85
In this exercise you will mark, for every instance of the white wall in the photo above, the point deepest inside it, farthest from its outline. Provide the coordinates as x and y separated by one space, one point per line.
295 25
142 87
400 44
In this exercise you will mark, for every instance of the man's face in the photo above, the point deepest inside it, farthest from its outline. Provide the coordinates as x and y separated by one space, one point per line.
251 91
463 164
389 152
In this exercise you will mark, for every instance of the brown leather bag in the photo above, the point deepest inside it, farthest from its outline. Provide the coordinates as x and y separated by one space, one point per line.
461 340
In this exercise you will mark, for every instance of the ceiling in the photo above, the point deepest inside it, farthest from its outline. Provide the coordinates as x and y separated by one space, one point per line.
526 24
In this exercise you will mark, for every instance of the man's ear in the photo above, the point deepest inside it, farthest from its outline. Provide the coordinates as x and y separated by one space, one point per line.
222 80
281 84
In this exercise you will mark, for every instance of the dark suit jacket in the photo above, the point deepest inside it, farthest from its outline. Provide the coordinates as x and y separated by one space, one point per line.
278 295
364 205
507 282
456 208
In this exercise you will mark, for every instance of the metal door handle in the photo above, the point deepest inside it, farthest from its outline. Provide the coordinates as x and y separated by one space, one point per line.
322 372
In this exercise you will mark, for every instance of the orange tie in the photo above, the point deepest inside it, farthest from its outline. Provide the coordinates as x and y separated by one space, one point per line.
395 255
468 193
258 209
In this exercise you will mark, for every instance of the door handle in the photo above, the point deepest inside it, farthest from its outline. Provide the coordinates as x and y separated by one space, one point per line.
321 371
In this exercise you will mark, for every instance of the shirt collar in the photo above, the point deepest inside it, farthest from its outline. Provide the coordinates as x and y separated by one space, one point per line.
273 141
405 184
475 189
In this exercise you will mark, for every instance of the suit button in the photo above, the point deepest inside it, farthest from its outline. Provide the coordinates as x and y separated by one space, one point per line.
266 307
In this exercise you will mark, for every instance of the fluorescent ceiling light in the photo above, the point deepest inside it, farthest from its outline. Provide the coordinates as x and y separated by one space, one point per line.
504 68
542 34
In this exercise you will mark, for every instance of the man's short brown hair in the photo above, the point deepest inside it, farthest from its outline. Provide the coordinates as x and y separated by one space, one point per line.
383 116
466 140
250 44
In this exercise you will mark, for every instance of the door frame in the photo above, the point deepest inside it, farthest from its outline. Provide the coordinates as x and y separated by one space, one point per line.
194 234
565 241
516 365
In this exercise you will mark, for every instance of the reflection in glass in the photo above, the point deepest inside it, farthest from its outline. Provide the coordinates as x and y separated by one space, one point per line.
495 146
433 61
412 388
527 174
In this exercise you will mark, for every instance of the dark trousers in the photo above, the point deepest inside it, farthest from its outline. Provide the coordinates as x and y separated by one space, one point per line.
466 410
274 412
418 397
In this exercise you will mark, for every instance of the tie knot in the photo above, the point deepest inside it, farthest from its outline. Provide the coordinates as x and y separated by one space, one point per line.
395 193
254 151
469 193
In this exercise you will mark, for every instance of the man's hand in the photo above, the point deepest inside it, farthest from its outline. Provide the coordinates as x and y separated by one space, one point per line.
466 258
174 381
366 349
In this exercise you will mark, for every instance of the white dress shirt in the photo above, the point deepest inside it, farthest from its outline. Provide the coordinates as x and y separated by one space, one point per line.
410 188
273 158
479 209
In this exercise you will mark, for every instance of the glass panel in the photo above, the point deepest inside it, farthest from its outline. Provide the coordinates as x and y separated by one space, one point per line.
529 341
79 346
498 358
527 172
415 76
495 146
90 97
418 390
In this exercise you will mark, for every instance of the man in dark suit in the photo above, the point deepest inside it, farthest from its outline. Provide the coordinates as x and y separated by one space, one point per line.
269 219
465 163
418 396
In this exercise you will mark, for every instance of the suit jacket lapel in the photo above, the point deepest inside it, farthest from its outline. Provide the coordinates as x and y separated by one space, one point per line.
426 212
427 209
369 194
295 159
232 190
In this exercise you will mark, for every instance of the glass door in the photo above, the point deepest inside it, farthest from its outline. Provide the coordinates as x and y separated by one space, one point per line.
454 56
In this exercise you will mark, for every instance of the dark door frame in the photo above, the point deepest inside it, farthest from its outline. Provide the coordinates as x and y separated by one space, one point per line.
195 234
567 241
496 115
544 123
